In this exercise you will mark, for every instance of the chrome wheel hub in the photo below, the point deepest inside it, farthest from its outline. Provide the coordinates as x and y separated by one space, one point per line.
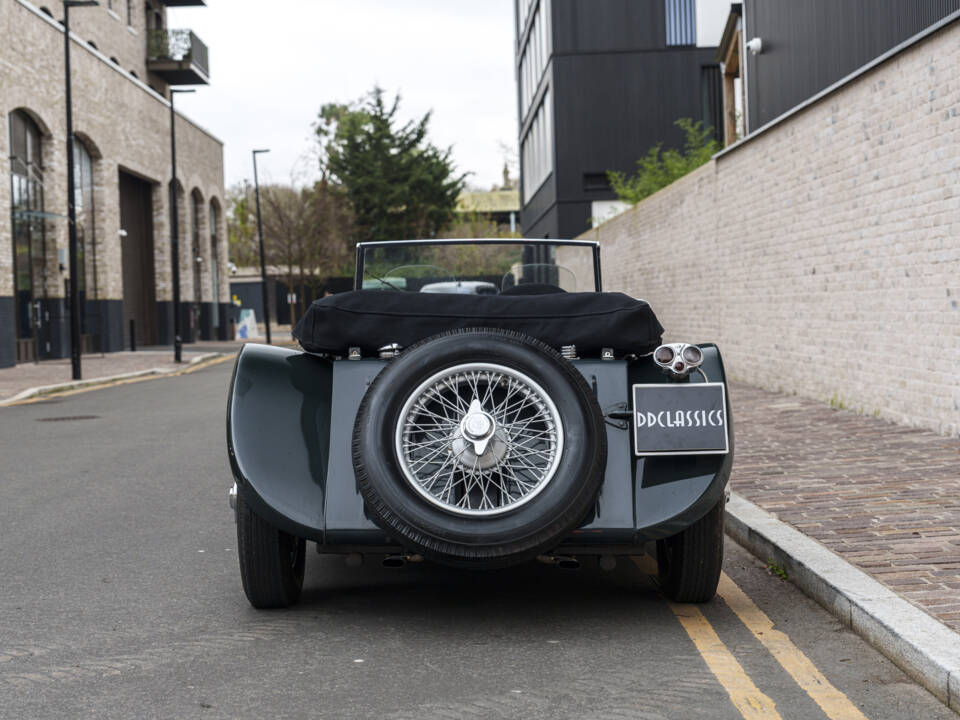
479 439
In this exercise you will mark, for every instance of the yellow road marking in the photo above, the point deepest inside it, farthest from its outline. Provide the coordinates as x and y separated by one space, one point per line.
834 703
744 695
126 381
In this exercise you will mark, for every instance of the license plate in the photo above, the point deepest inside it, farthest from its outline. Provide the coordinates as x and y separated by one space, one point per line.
680 419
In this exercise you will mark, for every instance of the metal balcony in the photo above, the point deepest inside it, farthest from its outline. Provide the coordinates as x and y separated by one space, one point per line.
178 56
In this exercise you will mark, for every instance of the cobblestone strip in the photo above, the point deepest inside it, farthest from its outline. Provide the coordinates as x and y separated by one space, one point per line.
884 497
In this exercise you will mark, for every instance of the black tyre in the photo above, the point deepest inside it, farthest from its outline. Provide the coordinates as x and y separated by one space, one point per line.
271 561
479 447
689 563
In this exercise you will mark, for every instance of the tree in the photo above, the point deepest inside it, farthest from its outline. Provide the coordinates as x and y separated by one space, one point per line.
656 170
399 185
241 227
306 233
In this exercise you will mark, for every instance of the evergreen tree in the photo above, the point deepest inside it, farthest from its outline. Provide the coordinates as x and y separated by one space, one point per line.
399 185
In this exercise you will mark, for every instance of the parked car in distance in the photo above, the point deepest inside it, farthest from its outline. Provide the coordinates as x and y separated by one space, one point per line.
461 287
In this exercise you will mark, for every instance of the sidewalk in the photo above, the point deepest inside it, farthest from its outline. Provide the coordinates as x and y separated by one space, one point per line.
16 379
886 498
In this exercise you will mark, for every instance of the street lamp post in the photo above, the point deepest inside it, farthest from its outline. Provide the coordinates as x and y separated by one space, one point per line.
71 208
175 231
263 263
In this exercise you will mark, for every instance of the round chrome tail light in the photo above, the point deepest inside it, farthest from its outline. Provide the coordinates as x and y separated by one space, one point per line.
678 359
664 355
692 355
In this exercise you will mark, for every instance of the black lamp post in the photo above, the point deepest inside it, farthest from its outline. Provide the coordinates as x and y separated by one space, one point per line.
175 231
263 263
71 209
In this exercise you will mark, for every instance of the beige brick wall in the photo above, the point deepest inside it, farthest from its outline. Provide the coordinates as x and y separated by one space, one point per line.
822 255
125 124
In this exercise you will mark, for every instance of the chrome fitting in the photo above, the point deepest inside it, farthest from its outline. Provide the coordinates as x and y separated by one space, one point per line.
606 353
678 359
353 353
232 497
389 351
569 352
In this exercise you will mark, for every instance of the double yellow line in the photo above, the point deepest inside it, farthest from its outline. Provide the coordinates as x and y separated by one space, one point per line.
744 694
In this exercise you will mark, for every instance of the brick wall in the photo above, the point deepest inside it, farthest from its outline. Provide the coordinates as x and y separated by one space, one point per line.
124 124
823 254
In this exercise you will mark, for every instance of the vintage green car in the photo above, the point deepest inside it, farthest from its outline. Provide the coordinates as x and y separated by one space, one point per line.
479 403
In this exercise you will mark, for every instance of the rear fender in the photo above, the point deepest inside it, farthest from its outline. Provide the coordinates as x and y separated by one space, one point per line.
278 430
672 492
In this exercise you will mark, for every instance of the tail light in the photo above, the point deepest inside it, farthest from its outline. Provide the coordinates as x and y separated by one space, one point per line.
678 359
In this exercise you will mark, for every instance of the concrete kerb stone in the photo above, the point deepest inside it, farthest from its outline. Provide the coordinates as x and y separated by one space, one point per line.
923 647
74 384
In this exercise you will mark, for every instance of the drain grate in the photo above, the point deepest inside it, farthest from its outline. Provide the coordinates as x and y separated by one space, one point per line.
68 418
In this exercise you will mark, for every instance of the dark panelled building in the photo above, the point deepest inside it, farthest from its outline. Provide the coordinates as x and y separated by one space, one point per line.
807 46
599 83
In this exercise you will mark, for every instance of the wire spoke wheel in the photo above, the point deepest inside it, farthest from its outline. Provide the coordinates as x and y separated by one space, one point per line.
479 439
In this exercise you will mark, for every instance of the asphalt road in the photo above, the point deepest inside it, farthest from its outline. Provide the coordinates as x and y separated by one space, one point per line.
120 597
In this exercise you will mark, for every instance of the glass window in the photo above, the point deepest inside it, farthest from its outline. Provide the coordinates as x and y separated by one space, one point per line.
533 60
129 12
536 149
86 229
214 262
681 22
29 240
196 212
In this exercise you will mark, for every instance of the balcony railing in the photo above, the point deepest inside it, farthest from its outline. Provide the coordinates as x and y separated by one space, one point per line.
179 56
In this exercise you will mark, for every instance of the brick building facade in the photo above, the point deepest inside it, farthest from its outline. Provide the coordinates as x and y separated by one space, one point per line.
123 60
822 253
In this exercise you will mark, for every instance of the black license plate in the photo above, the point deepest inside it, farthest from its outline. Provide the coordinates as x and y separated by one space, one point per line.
680 419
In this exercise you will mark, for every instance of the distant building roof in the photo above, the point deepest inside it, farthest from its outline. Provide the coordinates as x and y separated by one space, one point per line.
493 201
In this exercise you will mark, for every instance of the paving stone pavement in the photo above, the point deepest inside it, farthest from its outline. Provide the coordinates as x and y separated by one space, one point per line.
50 372
884 497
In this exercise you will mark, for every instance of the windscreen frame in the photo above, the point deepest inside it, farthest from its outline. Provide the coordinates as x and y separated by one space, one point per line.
595 248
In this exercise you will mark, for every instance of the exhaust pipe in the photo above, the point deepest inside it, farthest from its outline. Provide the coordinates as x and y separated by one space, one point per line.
567 562
398 561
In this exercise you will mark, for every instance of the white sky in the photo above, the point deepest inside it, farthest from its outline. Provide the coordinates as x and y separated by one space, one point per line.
273 63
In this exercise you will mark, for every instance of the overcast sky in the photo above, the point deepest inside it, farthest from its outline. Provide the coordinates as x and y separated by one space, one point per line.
273 63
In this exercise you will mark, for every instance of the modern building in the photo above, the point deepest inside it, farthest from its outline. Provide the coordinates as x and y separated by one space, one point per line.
124 60
777 54
600 82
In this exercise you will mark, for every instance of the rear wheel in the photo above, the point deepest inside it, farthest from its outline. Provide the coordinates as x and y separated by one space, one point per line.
689 563
271 561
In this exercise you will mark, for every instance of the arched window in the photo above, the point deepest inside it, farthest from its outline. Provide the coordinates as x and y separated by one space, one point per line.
44 9
29 239
134 75
86 229
214 261
92 44
196 213
114 60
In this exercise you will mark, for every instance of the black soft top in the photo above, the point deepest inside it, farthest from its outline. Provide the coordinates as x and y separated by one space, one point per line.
370 319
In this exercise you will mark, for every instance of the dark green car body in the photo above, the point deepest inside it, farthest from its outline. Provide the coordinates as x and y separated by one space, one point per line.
290 424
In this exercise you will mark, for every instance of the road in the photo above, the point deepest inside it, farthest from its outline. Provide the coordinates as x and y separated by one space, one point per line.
121 598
